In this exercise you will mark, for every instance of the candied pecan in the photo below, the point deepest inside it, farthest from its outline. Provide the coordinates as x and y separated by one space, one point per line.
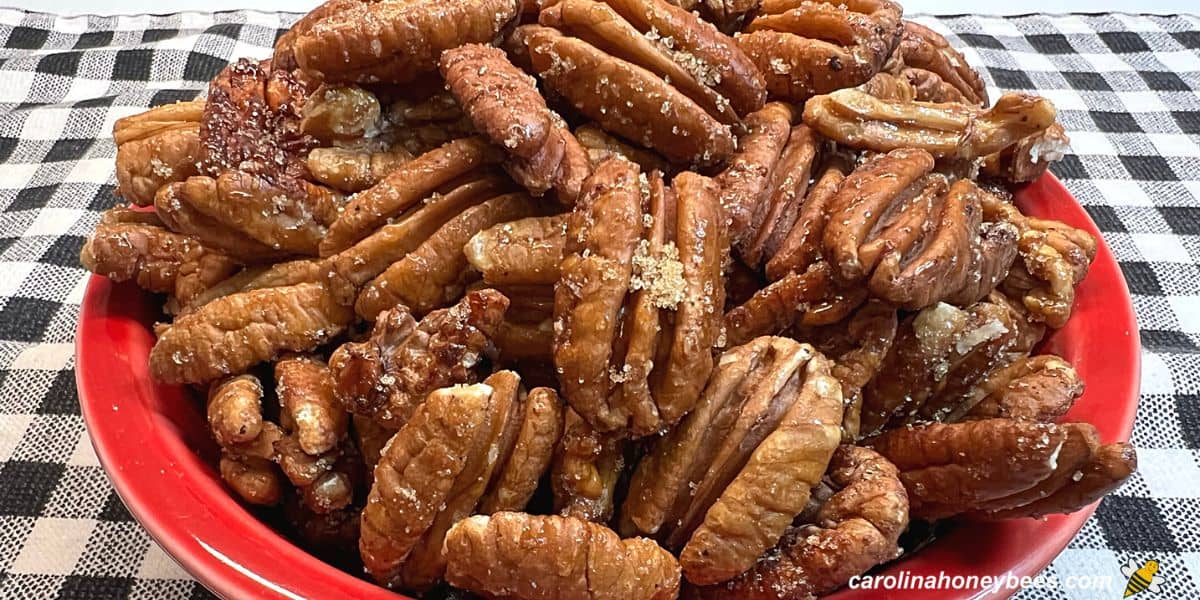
290 216
341 113
1054 258
372 255
648 71
776 307
157 147
247 442
526 335
522 252
938 355
255 480
387 376
531 454
504 103
623 362
518 555
181 216
859 120
766 424
155 258
587 465
925 49
412 182
886 86
251 122
808 48
927 86
1037 388
436 272
427 121
854 530
233 333
455 453
394 40
1108 467
260 277
1027 159
350 170
601 146
801 248
306 393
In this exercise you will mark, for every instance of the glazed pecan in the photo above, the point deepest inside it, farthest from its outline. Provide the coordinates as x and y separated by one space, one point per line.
425 121
181 216
637 254
1054 258
157 259
464 446
392 41
939 354
526 335
601 146
924 49
854 530
233 333
886 86
157 147
251 122
1030 157
727 481
533 557
504 104
859 120
522 252
648 71
403 188
349 170
587 466
801 248
341 113
998 466
247 442
1037 388
387 376
306 394
260 277
809 48
792 298
436 272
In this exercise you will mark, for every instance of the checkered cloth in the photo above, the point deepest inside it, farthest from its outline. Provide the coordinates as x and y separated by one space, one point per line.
1125 87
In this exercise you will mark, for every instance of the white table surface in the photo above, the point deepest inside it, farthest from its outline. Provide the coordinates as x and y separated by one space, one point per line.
113 7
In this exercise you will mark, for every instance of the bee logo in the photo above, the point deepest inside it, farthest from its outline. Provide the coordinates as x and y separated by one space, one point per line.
1141 579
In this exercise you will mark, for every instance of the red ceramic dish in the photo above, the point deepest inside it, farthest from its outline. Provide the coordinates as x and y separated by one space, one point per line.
152 440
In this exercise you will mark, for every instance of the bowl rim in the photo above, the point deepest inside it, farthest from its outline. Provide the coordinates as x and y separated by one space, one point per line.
227 549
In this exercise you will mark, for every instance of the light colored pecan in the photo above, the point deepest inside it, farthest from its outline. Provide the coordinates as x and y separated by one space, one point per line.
532 557
925 49
255 480
1027 159
394 41
522 252
341 113
927 86
504 103
152 256
859 120
350 170
247 442
886 86
425 121
587 465
531 454
387 376
157 147
305 388
436 272
403 188
233 333
808 48
854 530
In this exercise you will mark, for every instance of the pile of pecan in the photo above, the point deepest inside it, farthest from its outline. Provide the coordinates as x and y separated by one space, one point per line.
613 298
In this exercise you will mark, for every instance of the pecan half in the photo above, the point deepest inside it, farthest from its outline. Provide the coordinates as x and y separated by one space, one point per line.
504 103
157 259
306 394
1037 388
522 252
808 48
387 376
1027 159
886 86
341 114
393 41
247 442
350 170
924 49
587 465
859 120
601 146
157 147
854 530
517 555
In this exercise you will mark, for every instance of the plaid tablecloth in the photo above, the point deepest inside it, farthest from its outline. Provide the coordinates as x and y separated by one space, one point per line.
1126 88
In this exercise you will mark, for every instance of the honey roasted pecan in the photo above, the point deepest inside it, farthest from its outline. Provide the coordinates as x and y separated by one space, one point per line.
648 71
1030 157
587 466
931 60
726 482
522 252
1036 388
341 113
886 86
504 103
533 557
859 120
392 41
455 453
601 146
157 147
388 375
247 442
436 272
126 248
305 388
638 299
854 530
351 170
808 48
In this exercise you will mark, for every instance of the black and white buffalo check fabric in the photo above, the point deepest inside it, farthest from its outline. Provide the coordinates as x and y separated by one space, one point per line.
1125 85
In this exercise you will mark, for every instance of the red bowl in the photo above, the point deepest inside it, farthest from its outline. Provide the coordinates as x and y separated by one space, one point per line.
152 440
